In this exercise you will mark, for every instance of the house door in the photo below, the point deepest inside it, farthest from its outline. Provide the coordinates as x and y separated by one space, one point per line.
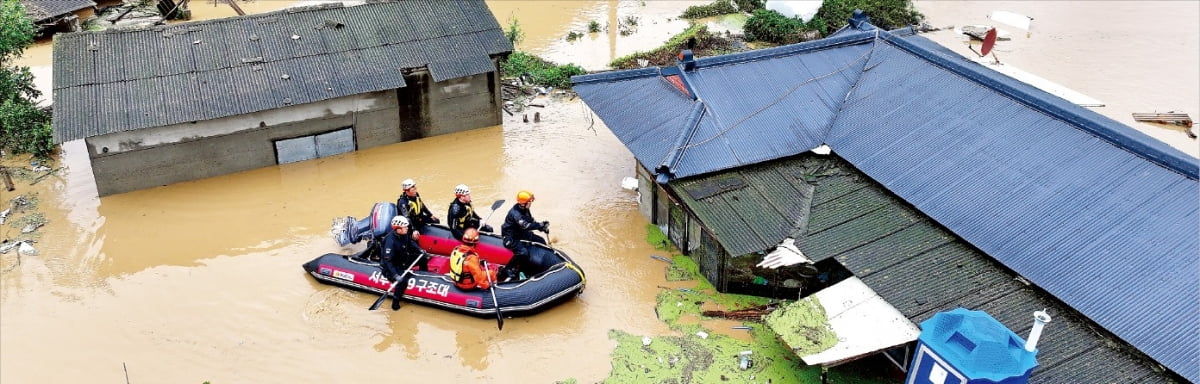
314 146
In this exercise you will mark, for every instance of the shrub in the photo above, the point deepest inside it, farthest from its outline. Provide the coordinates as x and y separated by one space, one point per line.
541 72
770 26
885 14
593 26
719 7
666 53
750 5
513 32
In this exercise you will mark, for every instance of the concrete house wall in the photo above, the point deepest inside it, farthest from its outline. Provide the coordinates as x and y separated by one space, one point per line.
429 108
344 79
144 158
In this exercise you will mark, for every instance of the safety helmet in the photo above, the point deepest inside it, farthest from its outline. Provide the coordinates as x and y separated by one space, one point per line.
462 189
524 197
399 222
408 184
471 236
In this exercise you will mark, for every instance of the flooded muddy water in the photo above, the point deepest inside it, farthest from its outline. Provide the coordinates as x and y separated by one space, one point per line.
1135 56
201 281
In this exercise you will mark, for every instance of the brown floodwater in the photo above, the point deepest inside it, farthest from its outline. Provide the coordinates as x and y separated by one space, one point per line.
202 281
1135 56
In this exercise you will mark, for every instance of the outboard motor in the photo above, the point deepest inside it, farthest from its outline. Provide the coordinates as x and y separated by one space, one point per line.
347 230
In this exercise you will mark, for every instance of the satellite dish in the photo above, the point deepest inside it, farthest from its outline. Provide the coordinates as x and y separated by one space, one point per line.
989 41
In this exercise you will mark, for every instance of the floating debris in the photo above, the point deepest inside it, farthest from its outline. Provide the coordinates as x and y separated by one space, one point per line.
26 249
657 257
753 313
4 215
8 246
1164 118
744 328
31 227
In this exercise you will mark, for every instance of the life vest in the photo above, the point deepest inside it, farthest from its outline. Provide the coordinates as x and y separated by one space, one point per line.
457 258
414 205
461 222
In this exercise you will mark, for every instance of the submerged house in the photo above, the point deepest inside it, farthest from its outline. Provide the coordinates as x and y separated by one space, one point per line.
193 100
48 15
945 185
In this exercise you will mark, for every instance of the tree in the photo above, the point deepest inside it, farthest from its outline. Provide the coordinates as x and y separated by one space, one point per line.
24 128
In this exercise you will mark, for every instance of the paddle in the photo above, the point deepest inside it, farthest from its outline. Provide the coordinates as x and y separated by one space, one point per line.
495 205
393 287
492 288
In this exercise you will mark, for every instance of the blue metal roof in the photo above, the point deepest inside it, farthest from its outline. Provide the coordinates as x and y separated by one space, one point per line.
1099 215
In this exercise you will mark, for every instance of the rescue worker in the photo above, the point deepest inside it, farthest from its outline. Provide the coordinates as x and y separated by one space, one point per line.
411 206
519 225
461 214
399 250
465 268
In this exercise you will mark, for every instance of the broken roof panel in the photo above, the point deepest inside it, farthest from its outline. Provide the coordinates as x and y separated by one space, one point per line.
40 10
338 52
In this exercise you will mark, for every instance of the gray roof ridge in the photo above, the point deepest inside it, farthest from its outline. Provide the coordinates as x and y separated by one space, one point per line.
1111 131
617 75
666 169
198 71
786 50
841 104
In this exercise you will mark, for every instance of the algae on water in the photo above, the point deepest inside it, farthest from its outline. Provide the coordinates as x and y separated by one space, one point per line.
802 325
657 238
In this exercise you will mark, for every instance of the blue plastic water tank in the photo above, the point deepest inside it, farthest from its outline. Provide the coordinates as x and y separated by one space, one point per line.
964 346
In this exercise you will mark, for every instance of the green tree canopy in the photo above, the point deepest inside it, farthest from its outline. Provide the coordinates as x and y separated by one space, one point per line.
24 128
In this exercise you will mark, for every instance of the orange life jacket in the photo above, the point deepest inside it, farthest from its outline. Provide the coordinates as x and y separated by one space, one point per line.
465 266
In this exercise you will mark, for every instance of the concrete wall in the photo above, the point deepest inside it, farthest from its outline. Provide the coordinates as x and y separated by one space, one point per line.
127 161
454 105
144 158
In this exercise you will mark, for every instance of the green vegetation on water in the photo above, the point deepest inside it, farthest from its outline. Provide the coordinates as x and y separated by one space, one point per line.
803 326
687 357
657 238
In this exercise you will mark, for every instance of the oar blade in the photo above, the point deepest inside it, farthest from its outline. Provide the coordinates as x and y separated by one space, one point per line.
378 302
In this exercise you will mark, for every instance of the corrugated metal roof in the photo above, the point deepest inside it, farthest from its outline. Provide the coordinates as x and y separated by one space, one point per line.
752 208
39 10
1098 214
225 67
922 269
1074 213
749 104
